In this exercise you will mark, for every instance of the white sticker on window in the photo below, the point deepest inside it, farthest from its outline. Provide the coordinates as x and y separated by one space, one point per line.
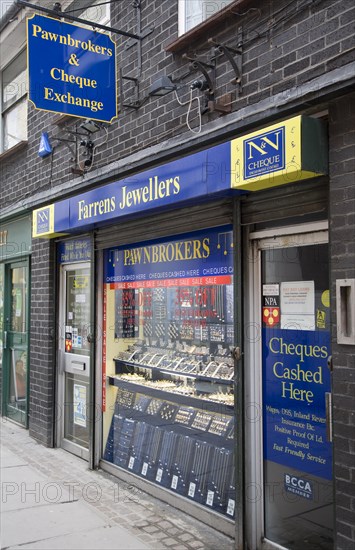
131 462
192 489
210 497
145 468
174 482
159 475
231 507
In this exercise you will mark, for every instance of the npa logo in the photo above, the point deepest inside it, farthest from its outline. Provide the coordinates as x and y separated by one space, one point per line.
264 153
298 486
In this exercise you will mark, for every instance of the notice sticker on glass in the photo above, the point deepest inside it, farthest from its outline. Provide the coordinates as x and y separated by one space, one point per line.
80 298
298 305
297 297
192 489
145 468
271 290
79 405
131 462
159 475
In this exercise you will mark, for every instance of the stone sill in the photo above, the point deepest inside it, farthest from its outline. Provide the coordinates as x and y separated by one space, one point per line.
13 150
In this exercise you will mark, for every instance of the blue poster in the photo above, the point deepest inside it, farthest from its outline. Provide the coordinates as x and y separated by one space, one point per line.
74 250
200 258
296 379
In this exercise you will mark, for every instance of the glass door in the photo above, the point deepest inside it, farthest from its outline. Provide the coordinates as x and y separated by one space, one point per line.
74 359
15 305
296 393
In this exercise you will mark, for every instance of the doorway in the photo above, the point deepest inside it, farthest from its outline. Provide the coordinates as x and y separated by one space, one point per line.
14 305
74 359
291 380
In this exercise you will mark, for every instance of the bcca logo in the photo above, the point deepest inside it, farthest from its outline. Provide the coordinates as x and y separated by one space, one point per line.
298 486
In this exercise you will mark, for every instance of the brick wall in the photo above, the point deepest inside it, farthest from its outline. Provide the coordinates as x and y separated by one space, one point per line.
284 45
42 350
342 247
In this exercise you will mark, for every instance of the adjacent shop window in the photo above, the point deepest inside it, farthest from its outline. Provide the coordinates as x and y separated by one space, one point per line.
194 12
14 102
167 365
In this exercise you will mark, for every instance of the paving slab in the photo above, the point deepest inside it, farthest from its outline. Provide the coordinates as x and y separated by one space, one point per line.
41 522
107 537
23 487
8 459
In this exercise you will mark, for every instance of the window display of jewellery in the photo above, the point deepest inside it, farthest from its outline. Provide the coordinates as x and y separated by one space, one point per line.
193 389
174 361
180 442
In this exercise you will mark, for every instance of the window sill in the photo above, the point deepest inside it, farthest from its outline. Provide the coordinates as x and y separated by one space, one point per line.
13 150
200 30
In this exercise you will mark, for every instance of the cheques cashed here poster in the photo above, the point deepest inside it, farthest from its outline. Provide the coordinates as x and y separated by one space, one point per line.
296 380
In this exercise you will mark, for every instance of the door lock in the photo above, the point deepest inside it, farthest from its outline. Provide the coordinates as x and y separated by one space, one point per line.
90 338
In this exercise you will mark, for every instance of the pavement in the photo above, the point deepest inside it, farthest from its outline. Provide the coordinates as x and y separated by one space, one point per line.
51 500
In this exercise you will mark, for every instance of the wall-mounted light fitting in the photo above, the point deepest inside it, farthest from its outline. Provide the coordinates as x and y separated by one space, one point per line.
162 86
90 126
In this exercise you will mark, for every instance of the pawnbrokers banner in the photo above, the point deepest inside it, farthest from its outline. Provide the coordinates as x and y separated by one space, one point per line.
72 70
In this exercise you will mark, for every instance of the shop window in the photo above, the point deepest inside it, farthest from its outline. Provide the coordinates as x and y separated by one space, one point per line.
167 364
194 12
14 102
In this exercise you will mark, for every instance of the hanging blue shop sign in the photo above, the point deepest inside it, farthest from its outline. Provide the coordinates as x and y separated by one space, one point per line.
296 379
72 70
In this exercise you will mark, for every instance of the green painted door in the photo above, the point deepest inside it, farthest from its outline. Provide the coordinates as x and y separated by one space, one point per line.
15 341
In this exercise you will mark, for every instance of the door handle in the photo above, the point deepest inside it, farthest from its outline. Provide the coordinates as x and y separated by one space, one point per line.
329 416
4 344
90 338
78 365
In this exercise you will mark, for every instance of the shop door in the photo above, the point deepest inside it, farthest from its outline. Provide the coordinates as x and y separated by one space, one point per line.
74 359
295 358
15 305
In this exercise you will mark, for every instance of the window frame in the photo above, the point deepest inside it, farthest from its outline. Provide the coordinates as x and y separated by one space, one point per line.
182 28
4 111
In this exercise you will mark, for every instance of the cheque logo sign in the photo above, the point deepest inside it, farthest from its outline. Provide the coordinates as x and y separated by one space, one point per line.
264 153
72 70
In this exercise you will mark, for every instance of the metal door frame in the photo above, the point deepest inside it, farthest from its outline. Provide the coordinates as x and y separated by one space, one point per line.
60 440
255 242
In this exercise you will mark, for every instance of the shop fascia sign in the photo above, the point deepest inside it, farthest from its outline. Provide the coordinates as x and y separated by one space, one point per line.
286 152
71 69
